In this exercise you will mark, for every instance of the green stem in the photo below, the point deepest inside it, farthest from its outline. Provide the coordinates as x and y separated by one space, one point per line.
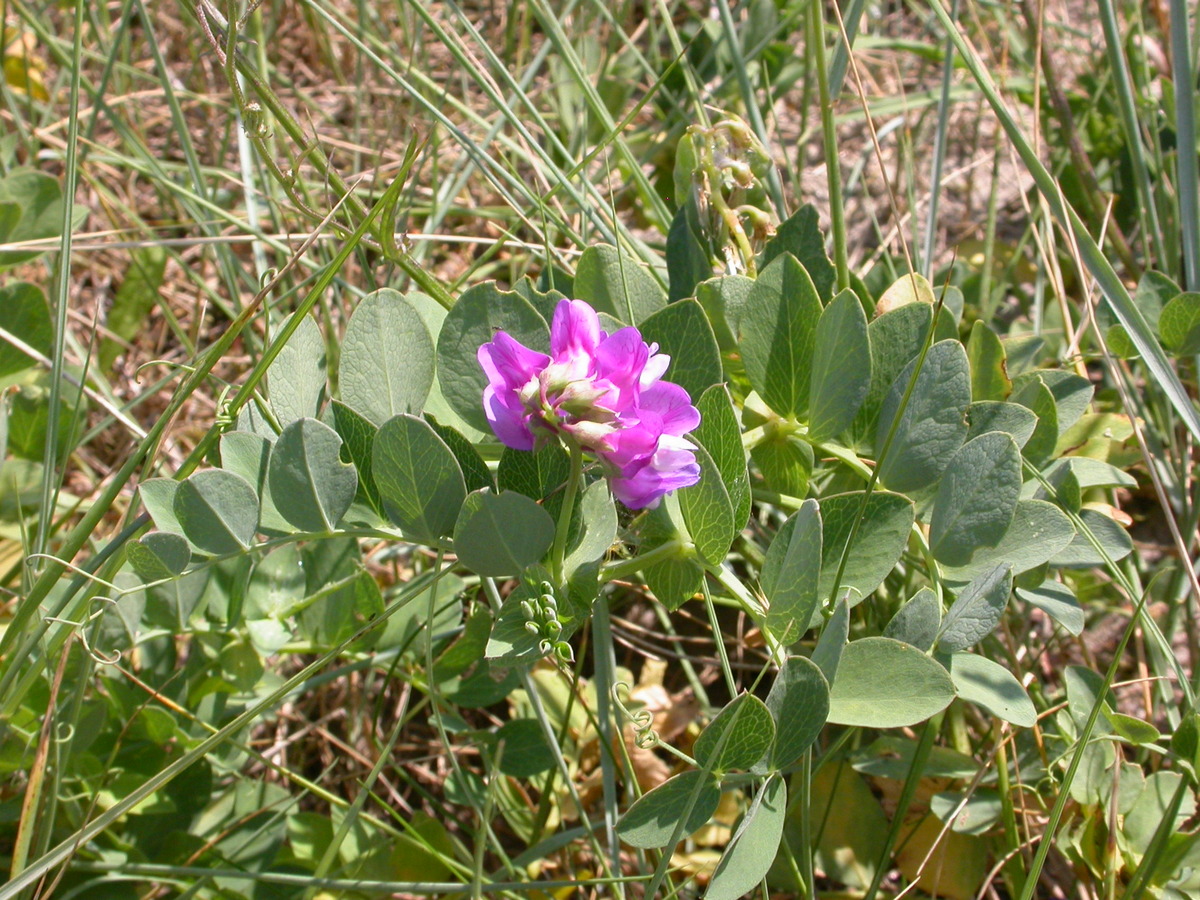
628 567
837 221
564 514
907 792
806 835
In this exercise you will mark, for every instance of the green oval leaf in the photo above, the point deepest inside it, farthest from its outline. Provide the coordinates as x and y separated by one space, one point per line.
615 283
310 485
1057 601
387 358
841 367
722 299
1038 531
801 236
497 535
738 737
799 703
689 798
778 329
977 610
1100 540
791 574
682 331
752 849
881 539
36 202
989 372
708 512
932 425
1179 324
896 337
419 481
358 434
25 315
158 496
786 462
525 752
1015 420
976 498
1072 393
296 377
827 654
918 621
217 510
719 434
159 554
883 683
992 687
475 471
249 455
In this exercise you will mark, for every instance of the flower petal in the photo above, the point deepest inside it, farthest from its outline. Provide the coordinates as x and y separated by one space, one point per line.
574 331
643 484
670 406
509 418
509 363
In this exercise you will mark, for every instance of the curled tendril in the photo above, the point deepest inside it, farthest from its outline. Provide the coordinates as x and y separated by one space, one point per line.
225 418
642 720
93 615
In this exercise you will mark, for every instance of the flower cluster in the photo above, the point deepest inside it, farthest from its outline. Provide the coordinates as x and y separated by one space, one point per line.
603 392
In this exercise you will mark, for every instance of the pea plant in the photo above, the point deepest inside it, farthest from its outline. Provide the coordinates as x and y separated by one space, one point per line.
868 479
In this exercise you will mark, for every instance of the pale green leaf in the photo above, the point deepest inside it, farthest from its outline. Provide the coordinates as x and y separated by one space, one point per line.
615 283
778 330
841 367
296 377
753 847
931 425
419 480
790 576
387 358
976 611
688 799
918 621
217 510
738 737
976 498
882 683
993 688
498 535
310 485
799 703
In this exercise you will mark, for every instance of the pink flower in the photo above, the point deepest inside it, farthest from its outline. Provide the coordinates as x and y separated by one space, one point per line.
603 392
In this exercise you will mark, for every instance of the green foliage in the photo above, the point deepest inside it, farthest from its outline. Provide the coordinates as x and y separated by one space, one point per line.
777 331
420 483
348 559
501 534
615 283
915 687
387 358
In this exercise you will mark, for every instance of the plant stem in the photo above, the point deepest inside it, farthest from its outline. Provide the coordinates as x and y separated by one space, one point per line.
564 515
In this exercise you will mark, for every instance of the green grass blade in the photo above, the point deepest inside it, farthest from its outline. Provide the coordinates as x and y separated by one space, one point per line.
1187 184
1111 286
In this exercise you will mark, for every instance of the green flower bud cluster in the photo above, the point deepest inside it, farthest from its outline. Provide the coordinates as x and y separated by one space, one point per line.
541 620
729 171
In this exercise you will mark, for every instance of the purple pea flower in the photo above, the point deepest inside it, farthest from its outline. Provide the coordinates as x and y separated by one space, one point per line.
602 392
